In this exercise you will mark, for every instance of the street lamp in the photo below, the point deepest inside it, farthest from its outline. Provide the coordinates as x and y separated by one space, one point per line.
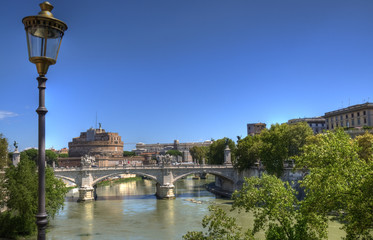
44 35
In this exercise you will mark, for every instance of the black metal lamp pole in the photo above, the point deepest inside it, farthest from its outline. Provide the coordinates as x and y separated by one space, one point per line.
41 217
44 34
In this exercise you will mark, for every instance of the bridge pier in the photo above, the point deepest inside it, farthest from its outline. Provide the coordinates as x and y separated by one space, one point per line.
86 194
165 191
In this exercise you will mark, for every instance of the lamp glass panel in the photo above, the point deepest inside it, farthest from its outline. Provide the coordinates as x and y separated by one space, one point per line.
43 41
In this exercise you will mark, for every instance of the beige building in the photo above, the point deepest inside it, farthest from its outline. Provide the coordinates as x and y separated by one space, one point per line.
317 124
96 142
162 148
106 147
356 116
255 128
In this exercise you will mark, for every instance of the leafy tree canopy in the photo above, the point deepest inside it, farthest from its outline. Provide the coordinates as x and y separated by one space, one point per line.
128 154
220 227
173 152
277 211
215 154
198 153
4 160
280 143
31 154
20 187
247 152
50 157
63 155
340 180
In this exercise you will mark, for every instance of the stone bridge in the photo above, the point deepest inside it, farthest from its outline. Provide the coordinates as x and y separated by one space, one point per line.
86 178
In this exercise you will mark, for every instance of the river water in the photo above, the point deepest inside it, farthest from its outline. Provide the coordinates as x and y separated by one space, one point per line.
131 211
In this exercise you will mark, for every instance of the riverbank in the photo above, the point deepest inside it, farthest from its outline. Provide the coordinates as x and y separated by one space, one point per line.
211 187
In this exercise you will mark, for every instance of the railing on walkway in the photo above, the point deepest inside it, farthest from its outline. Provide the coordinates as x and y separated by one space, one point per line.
128 167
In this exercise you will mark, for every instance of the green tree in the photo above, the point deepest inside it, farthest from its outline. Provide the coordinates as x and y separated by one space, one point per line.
365 142
215 154
247 152
4 160
128 154
277 211
63 155
198 153
173 152
280 143
220 227
21 190
31 154
340 181
50 157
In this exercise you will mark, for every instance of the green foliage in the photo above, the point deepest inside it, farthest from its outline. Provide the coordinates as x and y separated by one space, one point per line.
128 154
21 191
63 155
50 157
4 160
276 210
247 152
365 142
198 153
31 154
340 181
220 227
174 152
215 154
281 143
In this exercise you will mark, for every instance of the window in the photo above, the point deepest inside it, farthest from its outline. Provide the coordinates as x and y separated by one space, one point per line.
352 122
341 124
358 114
341 117
346 116
365 113
358 121
332 126
365 120
352 115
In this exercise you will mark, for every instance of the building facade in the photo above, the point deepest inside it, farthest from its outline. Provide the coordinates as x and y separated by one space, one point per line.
105 147
162 148
96 142
318 124
255 128
356 116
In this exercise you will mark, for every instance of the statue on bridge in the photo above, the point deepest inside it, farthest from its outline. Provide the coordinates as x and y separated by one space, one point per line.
87 161
15 144
164 159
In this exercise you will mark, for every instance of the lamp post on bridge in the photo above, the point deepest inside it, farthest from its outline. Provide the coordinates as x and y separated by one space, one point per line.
44 34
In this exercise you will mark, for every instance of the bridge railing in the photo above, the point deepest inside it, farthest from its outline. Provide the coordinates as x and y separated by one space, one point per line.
194 166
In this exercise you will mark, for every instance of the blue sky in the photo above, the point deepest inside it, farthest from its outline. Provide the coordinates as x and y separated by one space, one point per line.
155 71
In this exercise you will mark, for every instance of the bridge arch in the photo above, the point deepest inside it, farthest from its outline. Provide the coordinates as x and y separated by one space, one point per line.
125 172
199 171
66 178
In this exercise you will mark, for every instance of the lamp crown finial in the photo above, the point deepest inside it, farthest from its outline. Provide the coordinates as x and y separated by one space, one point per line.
46 9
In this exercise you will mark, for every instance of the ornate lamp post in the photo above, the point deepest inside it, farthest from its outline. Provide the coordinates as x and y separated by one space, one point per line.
44 35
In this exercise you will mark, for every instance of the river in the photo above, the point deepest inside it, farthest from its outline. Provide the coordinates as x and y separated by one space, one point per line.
131 211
